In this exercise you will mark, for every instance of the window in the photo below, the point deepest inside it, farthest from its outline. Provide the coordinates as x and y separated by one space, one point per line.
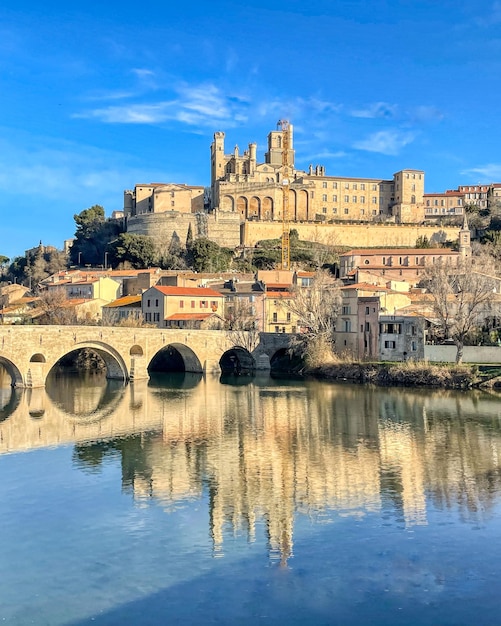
147 317
288 317
334 198
181 304
324 197
374 187
324 185
156 302
347 198
374 200
148 303
156 317
324 209
275 316
346 310
354 185
354 198
277 329
347 185
346 211
367 310
362 199
334 210
334 185
362 186
367 327
193 304
347 326
204 304
389 344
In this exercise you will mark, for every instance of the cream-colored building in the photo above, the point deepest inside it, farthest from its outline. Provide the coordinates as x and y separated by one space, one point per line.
163 197
183 307
254 190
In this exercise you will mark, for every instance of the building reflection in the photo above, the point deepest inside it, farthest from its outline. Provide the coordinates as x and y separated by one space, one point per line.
266 451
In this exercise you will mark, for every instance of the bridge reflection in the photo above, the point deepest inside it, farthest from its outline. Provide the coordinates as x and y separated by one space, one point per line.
269 449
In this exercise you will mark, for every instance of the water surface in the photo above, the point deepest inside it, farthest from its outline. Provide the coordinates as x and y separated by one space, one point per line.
189 500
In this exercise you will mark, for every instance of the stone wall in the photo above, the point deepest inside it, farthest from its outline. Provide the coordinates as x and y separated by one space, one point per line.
221 227
351 235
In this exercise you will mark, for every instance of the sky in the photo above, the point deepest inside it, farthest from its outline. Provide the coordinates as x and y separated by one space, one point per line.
97 97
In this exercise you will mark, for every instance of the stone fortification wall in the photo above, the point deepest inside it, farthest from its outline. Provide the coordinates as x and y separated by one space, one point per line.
351 235
221 227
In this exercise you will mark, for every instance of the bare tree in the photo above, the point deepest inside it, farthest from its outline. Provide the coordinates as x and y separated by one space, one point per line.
461 293
316 309
56 307
241 322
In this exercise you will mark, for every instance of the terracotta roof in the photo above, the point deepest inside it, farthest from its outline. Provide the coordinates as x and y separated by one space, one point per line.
125 301
189 291
278 294
399 251
189 316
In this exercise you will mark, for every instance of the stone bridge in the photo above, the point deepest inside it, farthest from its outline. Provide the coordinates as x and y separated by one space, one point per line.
28 353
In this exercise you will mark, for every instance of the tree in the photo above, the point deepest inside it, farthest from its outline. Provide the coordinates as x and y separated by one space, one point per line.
56 308
138 250
207 256
240 320
189 237
316 309
461 293
92 236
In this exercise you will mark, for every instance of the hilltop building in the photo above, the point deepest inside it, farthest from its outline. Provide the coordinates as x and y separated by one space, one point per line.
254 190
244 203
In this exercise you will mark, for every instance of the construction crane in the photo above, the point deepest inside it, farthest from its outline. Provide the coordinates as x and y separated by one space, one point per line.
285 127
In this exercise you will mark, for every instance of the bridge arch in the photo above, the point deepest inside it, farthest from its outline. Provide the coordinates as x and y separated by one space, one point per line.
115 365
13 371
175 357
237 360
38 358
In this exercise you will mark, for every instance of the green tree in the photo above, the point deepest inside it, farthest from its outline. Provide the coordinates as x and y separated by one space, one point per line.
423 242
92 236
138 250
207 256
189 237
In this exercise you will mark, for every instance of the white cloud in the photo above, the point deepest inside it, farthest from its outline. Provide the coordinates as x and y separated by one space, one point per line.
376 110
194 105
488 173
388 142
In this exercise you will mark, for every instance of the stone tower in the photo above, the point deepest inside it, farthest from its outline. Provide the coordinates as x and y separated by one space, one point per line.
465 239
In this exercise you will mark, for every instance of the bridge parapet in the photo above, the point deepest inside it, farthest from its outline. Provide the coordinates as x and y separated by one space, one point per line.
30 352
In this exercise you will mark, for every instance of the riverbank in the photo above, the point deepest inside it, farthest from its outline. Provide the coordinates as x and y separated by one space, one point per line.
408 374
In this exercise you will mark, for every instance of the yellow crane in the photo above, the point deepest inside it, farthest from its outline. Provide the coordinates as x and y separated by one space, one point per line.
284 126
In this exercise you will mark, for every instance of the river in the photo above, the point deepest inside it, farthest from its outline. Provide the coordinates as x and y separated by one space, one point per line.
192 500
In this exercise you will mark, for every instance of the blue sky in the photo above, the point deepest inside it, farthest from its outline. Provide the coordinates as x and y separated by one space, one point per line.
98 96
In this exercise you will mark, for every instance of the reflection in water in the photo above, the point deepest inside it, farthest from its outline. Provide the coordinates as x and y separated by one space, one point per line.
83 395
269 450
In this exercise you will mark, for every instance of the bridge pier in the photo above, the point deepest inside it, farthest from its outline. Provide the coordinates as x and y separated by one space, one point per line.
138 368
35 376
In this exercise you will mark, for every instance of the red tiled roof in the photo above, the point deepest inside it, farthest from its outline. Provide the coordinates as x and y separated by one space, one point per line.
125 301
189 316
278 294
189 291
399 251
